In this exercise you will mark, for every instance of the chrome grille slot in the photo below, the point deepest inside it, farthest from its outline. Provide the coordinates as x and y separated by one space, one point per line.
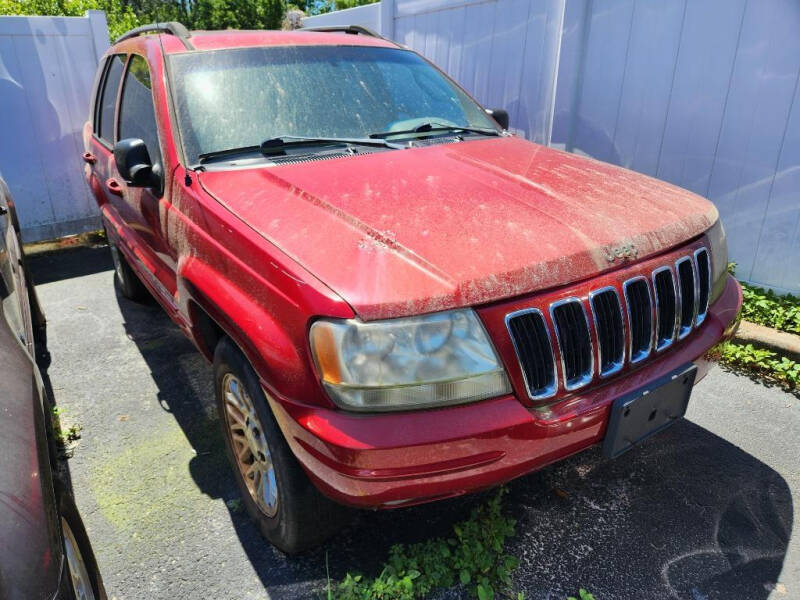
666 307
703 270
574 342
630 321
607 316
531 338
688 296
640 318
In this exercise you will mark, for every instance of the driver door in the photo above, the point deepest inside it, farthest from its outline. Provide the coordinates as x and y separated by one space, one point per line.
144 209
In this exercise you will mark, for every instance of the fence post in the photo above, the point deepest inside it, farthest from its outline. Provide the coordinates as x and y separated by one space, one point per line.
387 19
99 27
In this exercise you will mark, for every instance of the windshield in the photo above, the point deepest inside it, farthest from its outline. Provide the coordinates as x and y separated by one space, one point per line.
241 97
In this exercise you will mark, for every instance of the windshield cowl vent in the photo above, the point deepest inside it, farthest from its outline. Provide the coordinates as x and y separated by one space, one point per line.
449 139
296 159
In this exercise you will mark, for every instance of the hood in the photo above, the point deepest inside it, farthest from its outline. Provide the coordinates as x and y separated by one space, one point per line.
412 231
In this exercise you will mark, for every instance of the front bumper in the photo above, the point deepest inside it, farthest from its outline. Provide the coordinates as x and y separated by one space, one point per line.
389 460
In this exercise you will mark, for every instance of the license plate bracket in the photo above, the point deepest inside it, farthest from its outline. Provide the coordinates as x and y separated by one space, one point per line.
648 410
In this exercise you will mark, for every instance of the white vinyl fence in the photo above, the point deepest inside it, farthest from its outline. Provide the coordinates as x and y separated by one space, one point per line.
47 66
701 93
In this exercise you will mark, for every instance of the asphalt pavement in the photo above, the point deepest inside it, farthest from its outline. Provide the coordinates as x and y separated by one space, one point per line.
705 510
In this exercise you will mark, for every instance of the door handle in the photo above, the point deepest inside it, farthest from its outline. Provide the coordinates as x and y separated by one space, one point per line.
89 158
114 186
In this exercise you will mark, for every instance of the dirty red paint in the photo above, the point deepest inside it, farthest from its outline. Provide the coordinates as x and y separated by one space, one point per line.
457 224
495 223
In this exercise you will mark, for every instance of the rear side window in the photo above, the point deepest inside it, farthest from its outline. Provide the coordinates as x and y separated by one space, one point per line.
108 99
137 117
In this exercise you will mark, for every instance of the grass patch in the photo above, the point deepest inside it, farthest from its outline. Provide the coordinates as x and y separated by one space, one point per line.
764 363
582 595
474 557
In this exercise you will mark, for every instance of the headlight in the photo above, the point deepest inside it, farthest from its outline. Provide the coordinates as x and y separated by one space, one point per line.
396 364
719 260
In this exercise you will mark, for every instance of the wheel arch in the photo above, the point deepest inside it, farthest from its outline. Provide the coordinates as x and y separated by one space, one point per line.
215 307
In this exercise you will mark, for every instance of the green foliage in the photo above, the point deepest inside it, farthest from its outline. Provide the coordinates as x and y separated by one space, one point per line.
120 16
762 362
317 7
123 15
765 307
474 557
63 436
236 14
583 595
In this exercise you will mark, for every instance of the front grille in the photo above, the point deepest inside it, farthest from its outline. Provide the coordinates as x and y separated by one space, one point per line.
660 308
607 316
703 270
574 342
640 318
534 349
666 307
686 284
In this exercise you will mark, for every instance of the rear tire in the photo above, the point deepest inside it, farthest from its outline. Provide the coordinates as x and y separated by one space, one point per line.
294 516
129 284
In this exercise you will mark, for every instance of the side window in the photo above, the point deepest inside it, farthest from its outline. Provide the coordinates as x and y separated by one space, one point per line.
137 117
108 99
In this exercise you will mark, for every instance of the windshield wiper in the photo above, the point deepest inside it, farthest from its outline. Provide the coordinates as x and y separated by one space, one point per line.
433 127
276 145
206 156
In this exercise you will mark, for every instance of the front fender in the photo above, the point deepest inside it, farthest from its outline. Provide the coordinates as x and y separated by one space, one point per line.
271 348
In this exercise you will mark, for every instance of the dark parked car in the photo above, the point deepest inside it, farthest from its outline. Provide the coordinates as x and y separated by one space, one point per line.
44 550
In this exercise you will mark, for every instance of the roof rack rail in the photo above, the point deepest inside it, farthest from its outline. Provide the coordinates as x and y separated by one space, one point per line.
172 27
351 29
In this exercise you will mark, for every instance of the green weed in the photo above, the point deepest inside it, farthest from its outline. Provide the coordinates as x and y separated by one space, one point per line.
767 308
762 362
62 436
474 556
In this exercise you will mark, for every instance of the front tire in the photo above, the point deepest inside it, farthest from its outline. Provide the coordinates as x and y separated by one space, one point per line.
289 511
129 284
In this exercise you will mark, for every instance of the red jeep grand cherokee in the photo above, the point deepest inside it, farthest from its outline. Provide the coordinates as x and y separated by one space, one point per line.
402 301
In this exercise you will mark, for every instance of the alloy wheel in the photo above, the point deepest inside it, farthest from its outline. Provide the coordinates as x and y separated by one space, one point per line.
78 573
250 448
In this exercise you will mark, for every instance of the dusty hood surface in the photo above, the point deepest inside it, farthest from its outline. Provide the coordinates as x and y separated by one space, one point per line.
413 231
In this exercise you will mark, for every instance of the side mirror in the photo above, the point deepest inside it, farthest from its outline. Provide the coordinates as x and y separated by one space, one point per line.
134 164
500 115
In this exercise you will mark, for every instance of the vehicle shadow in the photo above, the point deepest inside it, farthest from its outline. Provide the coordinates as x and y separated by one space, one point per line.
686 515
69 263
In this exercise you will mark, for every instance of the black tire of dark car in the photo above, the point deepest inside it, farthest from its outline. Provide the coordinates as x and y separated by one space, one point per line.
69 512
304 517
129 284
